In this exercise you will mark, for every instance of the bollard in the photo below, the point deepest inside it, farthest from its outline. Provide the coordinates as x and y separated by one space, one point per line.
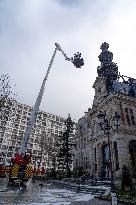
78 188
114 198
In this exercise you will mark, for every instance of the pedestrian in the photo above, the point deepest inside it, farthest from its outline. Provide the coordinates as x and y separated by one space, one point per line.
78 188
82 179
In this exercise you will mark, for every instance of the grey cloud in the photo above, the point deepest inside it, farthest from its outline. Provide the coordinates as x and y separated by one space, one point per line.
69 3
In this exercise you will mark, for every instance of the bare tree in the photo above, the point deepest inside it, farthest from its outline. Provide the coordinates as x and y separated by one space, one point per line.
7 100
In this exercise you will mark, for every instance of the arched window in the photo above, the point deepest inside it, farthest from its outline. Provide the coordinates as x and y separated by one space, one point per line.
105 153
116 155
132 152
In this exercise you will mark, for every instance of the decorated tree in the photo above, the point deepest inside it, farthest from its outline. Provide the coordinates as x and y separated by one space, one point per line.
65 147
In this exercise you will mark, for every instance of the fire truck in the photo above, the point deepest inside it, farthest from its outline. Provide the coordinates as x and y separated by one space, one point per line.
21 167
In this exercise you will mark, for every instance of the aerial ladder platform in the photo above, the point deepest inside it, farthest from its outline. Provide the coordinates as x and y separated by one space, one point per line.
21 167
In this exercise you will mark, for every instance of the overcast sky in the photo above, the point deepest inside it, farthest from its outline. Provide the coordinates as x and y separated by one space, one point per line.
29 29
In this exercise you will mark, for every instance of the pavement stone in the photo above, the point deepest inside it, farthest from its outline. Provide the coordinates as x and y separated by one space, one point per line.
94 202
36 195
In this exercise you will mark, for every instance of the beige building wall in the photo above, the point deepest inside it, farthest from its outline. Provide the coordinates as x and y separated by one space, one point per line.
91 133
109 102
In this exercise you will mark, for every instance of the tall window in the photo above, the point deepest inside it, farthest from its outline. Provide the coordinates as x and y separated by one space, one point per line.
86 162
132 117
116 155
84 142
107 153
127 116
132 152
76 163
95 167
122 113
95 153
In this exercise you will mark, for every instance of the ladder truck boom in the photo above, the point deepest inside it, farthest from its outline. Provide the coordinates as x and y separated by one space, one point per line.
35 110
21 168
78 62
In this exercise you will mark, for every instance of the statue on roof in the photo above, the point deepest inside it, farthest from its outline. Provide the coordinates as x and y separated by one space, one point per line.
107 69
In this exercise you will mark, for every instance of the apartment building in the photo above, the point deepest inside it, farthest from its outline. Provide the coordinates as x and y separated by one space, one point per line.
43 138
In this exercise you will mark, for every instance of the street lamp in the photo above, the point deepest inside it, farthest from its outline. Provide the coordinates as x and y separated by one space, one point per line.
106 126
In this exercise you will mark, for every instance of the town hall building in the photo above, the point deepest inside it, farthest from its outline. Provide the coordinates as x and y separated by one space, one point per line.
114 93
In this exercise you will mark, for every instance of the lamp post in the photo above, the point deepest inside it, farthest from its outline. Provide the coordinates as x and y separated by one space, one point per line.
106 126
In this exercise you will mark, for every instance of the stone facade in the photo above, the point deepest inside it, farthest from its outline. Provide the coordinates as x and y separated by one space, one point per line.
113 93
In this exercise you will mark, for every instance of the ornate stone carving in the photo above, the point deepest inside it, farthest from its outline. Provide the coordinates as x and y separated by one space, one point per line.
107 68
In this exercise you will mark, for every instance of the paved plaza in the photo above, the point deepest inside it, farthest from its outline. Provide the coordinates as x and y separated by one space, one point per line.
47 194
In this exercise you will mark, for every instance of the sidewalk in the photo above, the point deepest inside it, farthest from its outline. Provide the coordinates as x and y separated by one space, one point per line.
96 191
86 187
94 202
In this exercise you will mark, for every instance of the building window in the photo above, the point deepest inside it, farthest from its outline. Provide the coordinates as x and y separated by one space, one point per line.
44 123
86 162
132 152
127 116
4 147
132 117
76 163
84 143
99 90
9 154
57 118
116 155
95 153
95 167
